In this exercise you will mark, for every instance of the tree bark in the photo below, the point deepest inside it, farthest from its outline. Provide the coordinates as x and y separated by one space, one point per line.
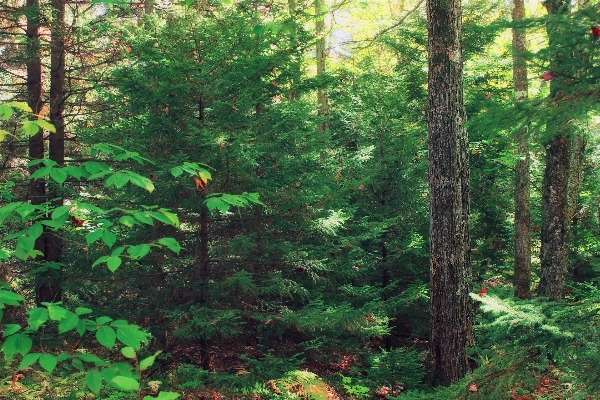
321 51
451 307
555 230
522 271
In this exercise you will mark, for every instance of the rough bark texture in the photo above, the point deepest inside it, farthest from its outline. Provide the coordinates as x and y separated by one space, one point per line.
321 51
49 290
555 230
522 271
451 307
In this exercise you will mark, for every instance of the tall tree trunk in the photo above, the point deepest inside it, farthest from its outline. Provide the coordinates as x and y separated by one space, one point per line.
50 291
555 230
522 271
321 58
451 307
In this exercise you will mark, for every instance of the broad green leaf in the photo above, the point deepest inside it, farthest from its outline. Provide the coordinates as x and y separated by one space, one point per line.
125 383
63 356
113 263
164 396
83 311
93 359
77 173
27 243
57 313
93 236
30 128
21 253
127 220
94 167
45 125
143 217
177 171
106 336
36 230
117 251
10 298
253 197
77 363
7 210
139 251
48 362
29 360
141 181
171 244
204 175
128 352
59 175
103 320
148 361
59 212
69 322
216 203
132 336
100 260
81 328
109 238
20 106
17 343
10 329
5 112
93 380
25 210
37 317
4 134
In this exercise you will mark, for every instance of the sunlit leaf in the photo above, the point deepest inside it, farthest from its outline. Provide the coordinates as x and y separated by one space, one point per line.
93 380
45 125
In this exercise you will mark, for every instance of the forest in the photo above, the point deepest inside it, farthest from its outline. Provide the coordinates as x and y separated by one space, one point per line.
284 199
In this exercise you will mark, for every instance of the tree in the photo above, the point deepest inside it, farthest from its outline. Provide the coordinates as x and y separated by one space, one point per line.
522 243
450 308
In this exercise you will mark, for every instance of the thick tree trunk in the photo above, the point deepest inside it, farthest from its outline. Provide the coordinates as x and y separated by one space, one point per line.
451 307
522 271
321 51
555 230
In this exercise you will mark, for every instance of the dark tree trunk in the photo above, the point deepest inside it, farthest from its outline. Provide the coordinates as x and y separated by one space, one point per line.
522 271
555 230
451 307
50 290
204 272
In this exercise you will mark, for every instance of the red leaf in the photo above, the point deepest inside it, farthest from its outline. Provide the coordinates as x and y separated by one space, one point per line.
472 387
487 95
483 289
361 187
128 49
77 222
547 76
233 107
595 31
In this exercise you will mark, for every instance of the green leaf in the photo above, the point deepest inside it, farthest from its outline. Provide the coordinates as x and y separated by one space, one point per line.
143 217
69 322
93 380
27 243
77 363
93 359
37 317
10 298
177 171
30 128
125 383
81 328
128 352
29 360
17 343
59 212
103 320
59 175
45 125
127 220
36 230
77 173
148 361
48 362
113 263
93 236
4 134
57 313
171 244
132 336
253 197
10 329
100 260
109 238
83 311
165 217
20 106
139 251
164 396
5 112
106 336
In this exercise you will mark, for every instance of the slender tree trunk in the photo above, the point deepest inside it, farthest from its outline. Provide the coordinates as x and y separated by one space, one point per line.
321 58
522 271
50 291
451 307
555 230
204 271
